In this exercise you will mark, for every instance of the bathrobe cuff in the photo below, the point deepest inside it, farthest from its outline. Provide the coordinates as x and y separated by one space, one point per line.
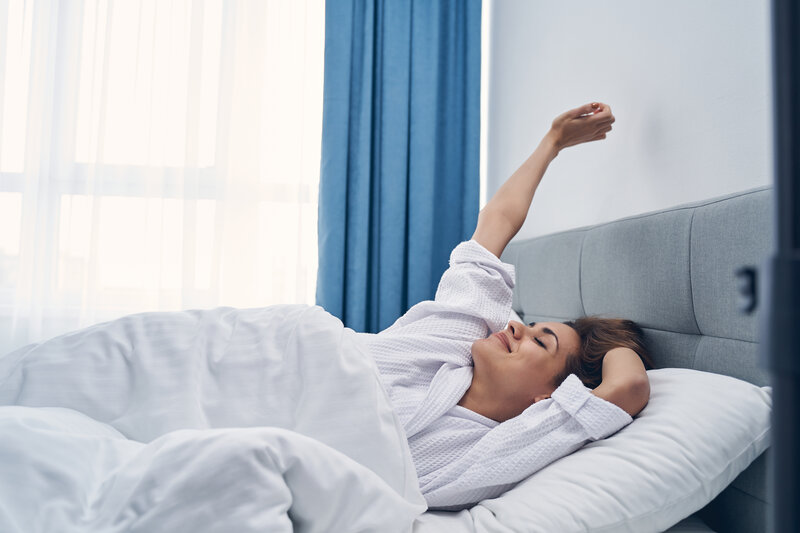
597 416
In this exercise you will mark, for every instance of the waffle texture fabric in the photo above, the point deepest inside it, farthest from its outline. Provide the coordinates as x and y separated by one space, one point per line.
425 363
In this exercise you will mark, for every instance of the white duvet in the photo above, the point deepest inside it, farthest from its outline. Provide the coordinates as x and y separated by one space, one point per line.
268 419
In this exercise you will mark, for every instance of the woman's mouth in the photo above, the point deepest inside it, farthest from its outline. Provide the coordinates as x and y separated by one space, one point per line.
502 338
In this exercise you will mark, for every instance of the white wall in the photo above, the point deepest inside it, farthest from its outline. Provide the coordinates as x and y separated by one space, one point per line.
689 82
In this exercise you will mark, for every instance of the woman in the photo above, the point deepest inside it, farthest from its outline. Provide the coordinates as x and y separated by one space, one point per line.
480 412
483 412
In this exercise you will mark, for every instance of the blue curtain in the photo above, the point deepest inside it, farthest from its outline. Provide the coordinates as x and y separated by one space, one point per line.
399 179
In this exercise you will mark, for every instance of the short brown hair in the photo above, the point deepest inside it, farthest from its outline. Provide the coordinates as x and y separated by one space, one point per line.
598 336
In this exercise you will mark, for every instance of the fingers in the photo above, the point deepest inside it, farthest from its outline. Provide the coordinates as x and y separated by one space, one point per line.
603 115
603 126
601 134
596 112
606 120
585 109
589 122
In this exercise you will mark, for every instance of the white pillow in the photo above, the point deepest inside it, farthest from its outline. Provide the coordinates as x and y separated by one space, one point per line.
696 434
515 316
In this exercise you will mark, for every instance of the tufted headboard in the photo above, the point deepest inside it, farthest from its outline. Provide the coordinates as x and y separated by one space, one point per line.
673 272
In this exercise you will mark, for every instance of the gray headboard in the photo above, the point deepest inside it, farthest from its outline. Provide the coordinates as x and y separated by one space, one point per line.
671 271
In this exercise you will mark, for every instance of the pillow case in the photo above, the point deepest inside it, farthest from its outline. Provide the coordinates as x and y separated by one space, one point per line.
696 434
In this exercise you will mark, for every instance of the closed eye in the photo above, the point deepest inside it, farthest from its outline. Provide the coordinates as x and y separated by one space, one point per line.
540 343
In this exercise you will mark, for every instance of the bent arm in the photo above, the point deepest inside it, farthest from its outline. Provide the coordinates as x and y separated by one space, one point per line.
625 382
515 449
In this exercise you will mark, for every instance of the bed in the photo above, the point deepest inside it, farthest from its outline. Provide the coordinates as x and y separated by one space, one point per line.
241 420
674 272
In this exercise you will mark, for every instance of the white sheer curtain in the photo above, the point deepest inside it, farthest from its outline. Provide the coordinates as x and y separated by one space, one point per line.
155 155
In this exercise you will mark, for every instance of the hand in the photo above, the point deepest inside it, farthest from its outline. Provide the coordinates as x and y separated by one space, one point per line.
587 123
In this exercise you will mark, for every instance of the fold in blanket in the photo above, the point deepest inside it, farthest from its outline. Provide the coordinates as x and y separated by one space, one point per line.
223 419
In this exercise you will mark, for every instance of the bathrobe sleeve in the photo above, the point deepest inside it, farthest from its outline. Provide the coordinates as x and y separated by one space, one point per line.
472 300
515 449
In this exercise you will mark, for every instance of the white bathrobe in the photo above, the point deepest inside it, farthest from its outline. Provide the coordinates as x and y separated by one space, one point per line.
425 362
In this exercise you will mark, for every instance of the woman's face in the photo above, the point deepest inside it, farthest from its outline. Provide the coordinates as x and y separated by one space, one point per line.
521 361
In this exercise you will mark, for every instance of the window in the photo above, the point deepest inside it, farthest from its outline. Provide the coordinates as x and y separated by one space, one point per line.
156 155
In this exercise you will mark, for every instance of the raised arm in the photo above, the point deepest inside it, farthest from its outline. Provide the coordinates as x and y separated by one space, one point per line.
503 216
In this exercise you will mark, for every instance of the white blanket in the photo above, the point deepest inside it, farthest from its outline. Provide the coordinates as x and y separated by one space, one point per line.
268 419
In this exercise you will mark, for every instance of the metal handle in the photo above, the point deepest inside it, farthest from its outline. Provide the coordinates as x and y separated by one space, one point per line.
746 277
